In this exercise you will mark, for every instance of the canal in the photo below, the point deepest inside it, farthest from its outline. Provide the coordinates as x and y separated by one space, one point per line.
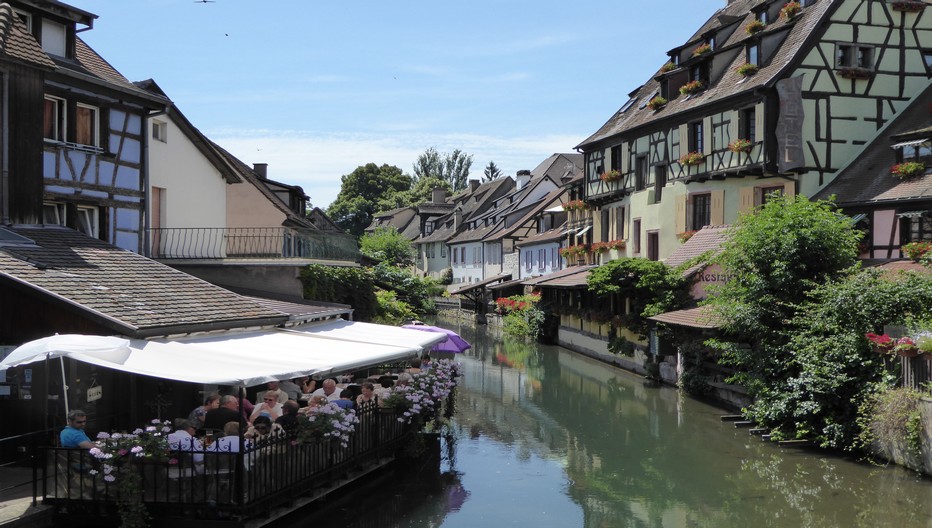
546 438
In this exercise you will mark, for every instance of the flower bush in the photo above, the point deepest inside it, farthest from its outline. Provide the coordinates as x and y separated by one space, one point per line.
906 347
882 344
669 66
657 103
916 250
506 305
425 396
692 158
686 235
574 205
572 252
692 87
702 50
790 10
327 422
754 26
610 176
740 145
747 69
908 169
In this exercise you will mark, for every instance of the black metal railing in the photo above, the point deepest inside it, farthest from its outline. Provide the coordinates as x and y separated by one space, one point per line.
249 242
210 484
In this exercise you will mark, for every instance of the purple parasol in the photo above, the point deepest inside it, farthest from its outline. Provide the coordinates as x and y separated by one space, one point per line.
454 343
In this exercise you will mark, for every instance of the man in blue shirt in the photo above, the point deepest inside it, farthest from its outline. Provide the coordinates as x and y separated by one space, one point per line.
73 434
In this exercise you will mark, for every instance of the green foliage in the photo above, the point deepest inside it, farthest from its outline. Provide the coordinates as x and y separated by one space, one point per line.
650 286
828 366
360 193
446 276
344 285
451 167
421 192
414 291
390 310
386 244
523 317
775 256
491 172
620 345
891 417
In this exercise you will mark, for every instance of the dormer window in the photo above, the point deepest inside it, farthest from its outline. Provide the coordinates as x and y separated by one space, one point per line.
428 228
54 38
628 104
914 150
25 18
699 72
761 16
854 56
753 54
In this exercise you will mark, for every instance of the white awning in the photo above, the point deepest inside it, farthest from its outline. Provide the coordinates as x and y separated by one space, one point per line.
583 230
230 358
911 143
557 209
344 330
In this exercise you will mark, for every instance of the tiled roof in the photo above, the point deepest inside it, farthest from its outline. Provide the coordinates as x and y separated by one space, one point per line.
132 294
476 285
88 64
17 43
551 235
700 317
731 83
867 178
572 277
560 165
709 238
895 266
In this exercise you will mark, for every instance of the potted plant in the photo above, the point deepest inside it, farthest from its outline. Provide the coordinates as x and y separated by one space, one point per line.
908 6
754 26
691 159
906 347
668 67
686 235
692 87
702 50
610 176
908 169
617 245
657 103
747 69
882 344
600 247
855 73
916 250
573 252
574 205
790 10
740 145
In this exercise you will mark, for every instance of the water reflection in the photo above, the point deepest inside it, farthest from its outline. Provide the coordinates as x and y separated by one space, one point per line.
542 437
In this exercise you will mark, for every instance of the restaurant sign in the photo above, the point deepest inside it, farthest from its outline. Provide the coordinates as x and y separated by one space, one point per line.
95 393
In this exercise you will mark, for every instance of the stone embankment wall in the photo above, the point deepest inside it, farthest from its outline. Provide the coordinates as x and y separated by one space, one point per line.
904 454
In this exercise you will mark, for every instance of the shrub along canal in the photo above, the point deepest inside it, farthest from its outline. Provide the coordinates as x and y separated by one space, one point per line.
542 437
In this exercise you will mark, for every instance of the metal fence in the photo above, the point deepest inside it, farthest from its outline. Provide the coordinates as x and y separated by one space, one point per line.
250 242
229 485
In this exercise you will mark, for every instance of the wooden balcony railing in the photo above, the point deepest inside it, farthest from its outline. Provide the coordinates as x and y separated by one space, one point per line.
249 242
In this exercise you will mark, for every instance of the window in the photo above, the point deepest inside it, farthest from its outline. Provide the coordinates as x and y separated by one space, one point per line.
463 256
528 264
616 158
916 152
595 164
541 259
665 88
640 173
554 260
854 56
653 245
54 119
699 72
86 131
762 16
769 193
605 225
916 228
53 38
25 18
627 105
636 235
927 57
83 218
160 131
701 211
660 180
695 136
747 124
443 250
753 54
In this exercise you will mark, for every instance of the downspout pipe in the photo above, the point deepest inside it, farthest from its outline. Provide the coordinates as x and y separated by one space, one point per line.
5 153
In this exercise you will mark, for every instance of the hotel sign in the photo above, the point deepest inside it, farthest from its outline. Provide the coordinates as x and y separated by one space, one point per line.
790 124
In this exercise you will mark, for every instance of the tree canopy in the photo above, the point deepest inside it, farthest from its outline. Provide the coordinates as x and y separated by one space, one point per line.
452 167
491 172
386 244
361 192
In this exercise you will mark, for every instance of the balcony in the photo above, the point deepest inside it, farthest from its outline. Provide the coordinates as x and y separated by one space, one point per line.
250 243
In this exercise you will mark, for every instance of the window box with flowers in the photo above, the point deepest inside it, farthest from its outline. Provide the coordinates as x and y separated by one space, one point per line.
575 205
790 10
916 250
610 176
574 252
740 145
908 6
599 247
692 87
668 67
657 103
747 69
686 235
702 50
908 169
855 73
754 27
617 245
692 159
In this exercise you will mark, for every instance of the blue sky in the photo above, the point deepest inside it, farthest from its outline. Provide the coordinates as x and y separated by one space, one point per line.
316 89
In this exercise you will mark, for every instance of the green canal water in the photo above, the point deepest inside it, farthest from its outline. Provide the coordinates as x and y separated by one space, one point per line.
545 438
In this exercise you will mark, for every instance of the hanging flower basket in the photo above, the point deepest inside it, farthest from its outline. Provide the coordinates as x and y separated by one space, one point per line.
754 26
908 6
692 159
702 50
668 67
881 344
610 176
692 87
790 10
748 69
740 145
855 73
657 103
574 205
908 169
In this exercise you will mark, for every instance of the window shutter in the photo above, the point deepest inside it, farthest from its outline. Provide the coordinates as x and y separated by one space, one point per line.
718 208
747 199
734 118
680 220
625 156
684 141
707 135
759 121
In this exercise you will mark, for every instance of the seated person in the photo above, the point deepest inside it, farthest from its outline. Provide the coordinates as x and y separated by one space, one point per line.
415 366
308 386
316 402
289 418
329 390
404 379
263 429
291 388
227 412
270 405
367 396
73 435
183 440
199 413
229 442
276 386
346 399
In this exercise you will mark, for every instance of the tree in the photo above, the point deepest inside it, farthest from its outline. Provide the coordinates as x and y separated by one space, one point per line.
360 193
491 172
453 167
386 244
774 257
420 193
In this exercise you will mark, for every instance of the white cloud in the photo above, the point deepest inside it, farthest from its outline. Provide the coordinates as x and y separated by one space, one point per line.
316 161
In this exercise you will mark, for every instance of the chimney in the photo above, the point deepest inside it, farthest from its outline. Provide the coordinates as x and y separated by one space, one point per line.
522 178
261 169
457 218
473 185
439 195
